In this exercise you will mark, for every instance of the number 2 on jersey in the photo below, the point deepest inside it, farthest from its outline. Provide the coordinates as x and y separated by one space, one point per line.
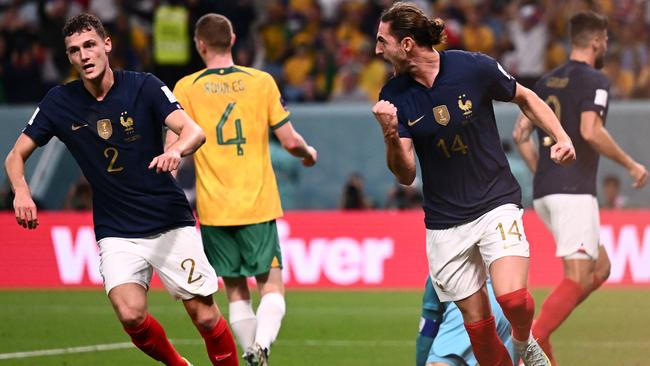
239 138
111 166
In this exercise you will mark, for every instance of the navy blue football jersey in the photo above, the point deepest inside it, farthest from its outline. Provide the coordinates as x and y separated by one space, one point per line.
113 141
569 90
465 172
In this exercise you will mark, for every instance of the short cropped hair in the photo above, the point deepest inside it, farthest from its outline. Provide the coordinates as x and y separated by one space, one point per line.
82 23
407 20
585 25
215 30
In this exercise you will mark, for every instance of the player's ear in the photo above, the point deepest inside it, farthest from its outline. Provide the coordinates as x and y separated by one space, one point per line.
233 39
407 44
108 44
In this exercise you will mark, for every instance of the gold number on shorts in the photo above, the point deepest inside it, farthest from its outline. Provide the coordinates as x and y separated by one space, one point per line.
514 230
189 277
111 166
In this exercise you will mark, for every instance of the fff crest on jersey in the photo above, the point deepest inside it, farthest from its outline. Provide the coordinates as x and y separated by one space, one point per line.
126 123
465 105
441 114
104 128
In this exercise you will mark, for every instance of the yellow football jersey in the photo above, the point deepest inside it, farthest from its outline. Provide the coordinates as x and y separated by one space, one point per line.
235 106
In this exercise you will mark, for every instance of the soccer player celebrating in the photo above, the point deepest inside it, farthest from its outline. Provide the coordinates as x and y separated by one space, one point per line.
237 195
443 341
440 104
565 198
112 122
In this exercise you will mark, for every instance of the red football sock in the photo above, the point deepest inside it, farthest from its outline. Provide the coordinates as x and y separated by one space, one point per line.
519 308
557 307
221 345
486 344
150 337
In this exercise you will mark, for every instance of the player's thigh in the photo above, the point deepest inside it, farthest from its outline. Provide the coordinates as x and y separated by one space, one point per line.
504 247
270 282
455 263
177 256
259 246
575 223
222 249
121 261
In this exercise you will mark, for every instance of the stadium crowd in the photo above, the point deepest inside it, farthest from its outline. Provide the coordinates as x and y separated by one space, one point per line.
317 50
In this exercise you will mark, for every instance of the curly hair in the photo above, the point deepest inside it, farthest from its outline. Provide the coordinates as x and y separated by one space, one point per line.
82 23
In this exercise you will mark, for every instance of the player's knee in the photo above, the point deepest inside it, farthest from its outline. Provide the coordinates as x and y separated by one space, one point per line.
517 302
130 316
603 269
205 320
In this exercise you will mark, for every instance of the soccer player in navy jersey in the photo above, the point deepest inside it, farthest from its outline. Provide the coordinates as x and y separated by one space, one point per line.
112 123
565 198
440 104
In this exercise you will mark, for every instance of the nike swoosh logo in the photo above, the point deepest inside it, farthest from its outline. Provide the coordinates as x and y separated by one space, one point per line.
76 127
411 123
222 357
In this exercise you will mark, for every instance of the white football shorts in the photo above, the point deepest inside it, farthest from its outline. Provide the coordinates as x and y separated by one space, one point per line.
574 221
175 255
459 257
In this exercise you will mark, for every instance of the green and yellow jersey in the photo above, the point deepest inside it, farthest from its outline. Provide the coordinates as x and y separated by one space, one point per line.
235 106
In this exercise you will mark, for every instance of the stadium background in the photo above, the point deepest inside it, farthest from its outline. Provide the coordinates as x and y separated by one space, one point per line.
349 243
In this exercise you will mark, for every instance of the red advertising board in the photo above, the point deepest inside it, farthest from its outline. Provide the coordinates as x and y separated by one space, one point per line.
321 249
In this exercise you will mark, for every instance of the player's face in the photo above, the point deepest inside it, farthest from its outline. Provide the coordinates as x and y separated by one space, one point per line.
88 53
600 49
390 49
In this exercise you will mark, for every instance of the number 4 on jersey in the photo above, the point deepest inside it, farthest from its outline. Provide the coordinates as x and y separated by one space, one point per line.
239 138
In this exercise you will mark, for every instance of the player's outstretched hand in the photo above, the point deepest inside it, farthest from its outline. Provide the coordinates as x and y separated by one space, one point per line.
386 114
25 210
166 162
313 156
563 153
640 175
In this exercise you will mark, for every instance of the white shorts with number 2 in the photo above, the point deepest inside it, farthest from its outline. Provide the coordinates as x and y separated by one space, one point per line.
175 255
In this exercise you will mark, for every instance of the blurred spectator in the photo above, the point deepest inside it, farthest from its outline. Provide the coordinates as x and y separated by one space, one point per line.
622 80
80 196
403 197
274 33
3 68
349 90
354 197
612 198
296 71
374 72
171 41
529 37
477 37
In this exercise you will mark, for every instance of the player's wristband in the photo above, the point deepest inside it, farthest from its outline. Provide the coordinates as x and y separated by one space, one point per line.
428 327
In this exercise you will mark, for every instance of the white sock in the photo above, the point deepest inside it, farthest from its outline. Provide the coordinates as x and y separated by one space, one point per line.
243 322
269 318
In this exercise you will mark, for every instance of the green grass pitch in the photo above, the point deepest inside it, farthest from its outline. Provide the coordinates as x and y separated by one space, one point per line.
333 328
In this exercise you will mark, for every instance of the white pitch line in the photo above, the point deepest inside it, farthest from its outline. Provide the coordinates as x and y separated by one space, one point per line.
292 343
61 351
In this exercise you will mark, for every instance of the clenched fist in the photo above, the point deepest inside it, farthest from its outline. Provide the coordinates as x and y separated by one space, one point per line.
386 114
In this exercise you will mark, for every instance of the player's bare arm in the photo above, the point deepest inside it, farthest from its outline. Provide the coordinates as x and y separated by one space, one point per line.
296 145
594 132
522 136
190 138
399 151
24 205
562 152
